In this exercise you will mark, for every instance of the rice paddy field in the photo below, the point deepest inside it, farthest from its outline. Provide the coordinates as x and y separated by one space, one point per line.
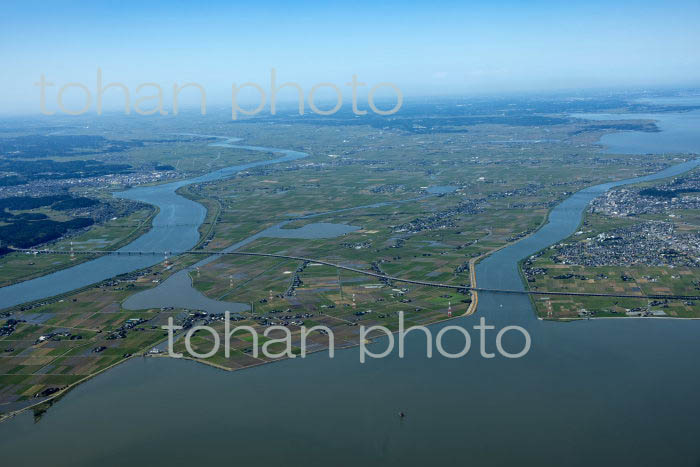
424 205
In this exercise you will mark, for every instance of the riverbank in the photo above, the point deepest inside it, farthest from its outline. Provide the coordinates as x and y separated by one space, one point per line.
175 228
473 307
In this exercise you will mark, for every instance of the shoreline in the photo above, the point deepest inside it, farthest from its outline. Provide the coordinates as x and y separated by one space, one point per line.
471 309
19 294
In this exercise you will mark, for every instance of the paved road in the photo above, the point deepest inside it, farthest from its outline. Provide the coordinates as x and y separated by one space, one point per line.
460 287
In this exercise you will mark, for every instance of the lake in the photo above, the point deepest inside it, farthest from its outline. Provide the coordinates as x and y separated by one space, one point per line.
595 392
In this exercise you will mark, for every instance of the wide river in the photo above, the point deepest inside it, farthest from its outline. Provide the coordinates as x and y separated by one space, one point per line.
597 392
175 229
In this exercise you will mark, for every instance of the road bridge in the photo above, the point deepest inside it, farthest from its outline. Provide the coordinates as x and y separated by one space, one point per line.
459 287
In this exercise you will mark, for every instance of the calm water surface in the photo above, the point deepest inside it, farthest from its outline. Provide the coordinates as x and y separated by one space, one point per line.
680 133
597 392
175 228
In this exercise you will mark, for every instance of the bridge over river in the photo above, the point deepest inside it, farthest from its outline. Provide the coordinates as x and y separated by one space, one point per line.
460 287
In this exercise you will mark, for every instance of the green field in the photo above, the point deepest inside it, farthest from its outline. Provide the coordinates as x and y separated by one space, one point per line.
502 192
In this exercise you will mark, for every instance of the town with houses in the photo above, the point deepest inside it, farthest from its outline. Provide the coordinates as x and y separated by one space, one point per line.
672 241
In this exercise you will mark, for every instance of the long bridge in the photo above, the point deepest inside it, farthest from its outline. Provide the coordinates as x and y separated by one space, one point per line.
459 287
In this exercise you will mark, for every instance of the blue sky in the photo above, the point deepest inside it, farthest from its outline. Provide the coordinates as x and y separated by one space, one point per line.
426 48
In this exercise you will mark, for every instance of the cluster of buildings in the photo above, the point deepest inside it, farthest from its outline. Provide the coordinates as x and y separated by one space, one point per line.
649 243
287 319
357 245
388 188
674 195
9 326
57 336
443 219
48 186
296 281
123 330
